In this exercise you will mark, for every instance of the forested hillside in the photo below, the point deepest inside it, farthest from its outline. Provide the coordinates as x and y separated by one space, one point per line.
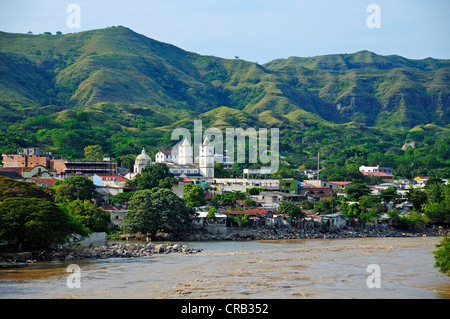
121 90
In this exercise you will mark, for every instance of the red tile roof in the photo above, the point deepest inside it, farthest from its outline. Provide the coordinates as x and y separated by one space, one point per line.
341 183
46 181
117 177
250 212
381 174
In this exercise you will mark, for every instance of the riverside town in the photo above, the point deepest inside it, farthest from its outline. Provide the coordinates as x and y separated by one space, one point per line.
175 196
293 151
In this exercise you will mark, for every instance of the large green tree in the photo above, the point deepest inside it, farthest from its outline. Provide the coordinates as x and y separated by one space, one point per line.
93 153
152 176
357 189
194 195
442 256
36 223
76 187
12 188
291 210
158 209
89 214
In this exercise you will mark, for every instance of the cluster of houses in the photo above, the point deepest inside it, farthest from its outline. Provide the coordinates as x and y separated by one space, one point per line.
41 168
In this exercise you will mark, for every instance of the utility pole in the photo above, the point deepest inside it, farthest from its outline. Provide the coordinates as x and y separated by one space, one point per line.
318 164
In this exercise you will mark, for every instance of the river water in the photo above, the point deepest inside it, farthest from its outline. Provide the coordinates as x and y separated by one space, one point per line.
315 268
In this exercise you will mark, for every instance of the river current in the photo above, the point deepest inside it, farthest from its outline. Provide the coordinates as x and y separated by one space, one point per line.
314 268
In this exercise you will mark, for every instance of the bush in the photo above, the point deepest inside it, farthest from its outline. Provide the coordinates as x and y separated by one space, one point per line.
36 223
442 256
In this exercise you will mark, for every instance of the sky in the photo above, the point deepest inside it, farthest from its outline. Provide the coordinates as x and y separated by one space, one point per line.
254 30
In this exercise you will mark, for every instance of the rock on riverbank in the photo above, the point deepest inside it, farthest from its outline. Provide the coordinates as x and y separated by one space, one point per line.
295 233
111 250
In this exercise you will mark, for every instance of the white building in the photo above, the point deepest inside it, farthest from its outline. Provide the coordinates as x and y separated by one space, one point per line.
165 156
181 162
142 160
376 169
206 160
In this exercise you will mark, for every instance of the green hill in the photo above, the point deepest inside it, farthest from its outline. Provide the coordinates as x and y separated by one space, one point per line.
123 90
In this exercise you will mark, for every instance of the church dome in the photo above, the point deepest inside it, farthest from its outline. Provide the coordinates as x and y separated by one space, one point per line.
143 159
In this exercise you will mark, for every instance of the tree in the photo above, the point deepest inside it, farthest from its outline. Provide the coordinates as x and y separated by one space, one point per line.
389 194
249 203
36 223
324 207
437 207
442 256
417 198
122 198
352 211
77 187
357 189
220 171
408 220
93 153
228 199
154 210
12 188
152 176
254 190
291 210
240 220
306 204
439 213
89 214
194 195
211 214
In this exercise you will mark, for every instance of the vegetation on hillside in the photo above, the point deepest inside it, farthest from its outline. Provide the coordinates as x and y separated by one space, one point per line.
123 91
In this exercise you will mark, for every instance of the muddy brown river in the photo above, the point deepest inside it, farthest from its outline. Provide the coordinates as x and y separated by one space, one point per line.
316 268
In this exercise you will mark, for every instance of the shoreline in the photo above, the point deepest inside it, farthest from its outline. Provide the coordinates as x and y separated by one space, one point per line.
134 248
239 234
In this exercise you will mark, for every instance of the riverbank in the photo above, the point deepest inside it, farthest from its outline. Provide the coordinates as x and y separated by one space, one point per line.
109 250
260 233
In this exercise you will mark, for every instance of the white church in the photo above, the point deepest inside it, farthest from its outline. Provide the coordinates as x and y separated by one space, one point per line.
181 163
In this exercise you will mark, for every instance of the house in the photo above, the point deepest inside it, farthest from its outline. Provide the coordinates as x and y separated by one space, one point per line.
275 198
242 184
45 182
67 168
341 185
383 175
27 158
38 171
420 181
166 156
289 185
386 173
333 221
257 216
309 173
14 173
315 194
321 184
200 220
109 180
117 214
376 169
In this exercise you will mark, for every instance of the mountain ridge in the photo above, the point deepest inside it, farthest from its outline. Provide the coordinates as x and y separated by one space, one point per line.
118 79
